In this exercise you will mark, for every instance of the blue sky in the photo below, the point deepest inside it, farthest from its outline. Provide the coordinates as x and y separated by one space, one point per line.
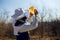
11 5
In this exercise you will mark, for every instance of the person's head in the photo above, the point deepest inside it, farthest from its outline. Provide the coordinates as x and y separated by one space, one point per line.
19 13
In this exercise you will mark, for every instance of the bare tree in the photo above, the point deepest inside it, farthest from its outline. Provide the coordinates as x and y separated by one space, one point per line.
42 15
4 15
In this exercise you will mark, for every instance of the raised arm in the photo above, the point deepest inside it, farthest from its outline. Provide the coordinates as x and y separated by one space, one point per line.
32 26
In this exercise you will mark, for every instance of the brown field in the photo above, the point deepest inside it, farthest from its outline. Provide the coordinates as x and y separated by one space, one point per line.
33 38
6 31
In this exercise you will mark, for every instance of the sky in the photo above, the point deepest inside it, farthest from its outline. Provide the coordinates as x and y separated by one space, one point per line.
11 5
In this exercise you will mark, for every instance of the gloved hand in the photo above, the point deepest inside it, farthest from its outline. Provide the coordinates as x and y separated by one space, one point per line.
36 12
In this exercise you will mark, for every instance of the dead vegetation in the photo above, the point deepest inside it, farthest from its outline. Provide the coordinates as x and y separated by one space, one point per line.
50 29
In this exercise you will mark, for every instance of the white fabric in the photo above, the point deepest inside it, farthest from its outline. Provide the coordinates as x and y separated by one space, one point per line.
26 26
27 13
18 14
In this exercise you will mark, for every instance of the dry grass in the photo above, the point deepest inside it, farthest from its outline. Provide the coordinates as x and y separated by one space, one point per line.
32 38
6 33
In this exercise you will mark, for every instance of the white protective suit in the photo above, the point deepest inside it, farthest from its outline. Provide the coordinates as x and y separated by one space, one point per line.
26 26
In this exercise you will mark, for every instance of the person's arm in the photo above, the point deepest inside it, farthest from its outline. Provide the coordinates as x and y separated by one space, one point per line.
32 26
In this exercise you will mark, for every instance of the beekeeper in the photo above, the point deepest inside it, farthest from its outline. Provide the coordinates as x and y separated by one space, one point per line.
22 25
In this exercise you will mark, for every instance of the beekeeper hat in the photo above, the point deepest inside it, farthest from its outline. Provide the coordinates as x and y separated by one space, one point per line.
18 13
